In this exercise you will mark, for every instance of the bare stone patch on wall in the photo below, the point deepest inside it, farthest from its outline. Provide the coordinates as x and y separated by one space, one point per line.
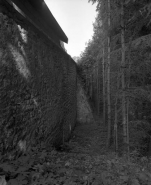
84 112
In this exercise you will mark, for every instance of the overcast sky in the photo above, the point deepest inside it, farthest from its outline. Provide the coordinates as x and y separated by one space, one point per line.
76 18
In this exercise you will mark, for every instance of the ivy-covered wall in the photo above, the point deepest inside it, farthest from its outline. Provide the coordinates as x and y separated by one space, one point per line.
37 86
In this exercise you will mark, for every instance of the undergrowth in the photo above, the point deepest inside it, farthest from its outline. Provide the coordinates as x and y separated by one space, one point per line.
40 166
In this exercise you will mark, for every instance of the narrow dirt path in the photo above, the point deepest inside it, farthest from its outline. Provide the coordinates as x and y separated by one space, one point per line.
83 159
89 138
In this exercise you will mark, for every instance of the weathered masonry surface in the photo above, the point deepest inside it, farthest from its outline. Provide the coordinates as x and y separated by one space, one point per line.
37 84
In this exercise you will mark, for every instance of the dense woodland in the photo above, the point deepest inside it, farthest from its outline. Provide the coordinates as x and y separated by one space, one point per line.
116 72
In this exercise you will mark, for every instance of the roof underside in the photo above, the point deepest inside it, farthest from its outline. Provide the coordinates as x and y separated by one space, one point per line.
38 12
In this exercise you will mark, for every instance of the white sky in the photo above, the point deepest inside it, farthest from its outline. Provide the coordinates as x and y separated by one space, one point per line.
76 18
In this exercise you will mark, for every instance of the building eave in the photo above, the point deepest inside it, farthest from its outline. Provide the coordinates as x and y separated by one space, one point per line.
38 12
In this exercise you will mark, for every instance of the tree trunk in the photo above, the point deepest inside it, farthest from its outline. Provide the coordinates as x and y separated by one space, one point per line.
104 88
127 120
108 81
127 102
91 85
116 114
98 89
123 78
86 83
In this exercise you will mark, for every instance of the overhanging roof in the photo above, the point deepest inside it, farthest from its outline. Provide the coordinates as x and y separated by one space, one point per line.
38 12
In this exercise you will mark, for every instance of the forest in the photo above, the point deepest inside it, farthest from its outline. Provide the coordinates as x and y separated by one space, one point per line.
115 69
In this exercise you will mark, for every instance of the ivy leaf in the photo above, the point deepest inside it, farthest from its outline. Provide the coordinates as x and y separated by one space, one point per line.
22 180
13 182
7 168
67 164
2 180
124 178
135 182
22 169
142 176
